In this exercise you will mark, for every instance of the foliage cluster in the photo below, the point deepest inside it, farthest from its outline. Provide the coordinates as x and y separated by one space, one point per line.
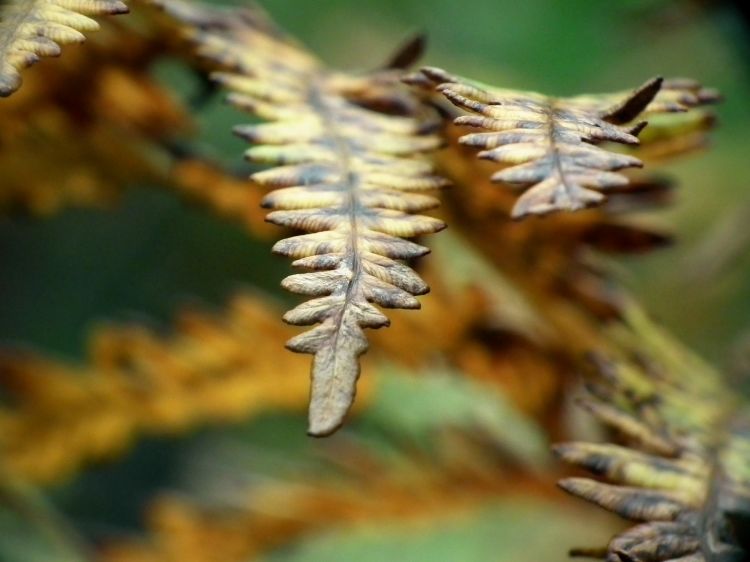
458 401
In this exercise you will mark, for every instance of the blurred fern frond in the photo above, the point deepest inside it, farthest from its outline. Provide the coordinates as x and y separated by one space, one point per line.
222 368
212 369
104 124
683 468
346 152
98 120
452 467
30 29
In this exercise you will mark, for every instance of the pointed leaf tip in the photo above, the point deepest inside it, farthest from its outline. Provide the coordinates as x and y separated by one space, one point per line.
635 103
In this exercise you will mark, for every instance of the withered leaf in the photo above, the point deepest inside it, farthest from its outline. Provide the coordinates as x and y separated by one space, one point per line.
548 142
555 261
30 29
549 146
346 170
685 468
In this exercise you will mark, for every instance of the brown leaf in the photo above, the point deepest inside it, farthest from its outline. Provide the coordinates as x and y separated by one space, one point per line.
550 146
343 170
549 143
684 467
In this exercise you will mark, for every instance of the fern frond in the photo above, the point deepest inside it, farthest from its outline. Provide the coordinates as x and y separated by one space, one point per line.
550 145
684 469
555 263
345 169
30 29
548 142
211 369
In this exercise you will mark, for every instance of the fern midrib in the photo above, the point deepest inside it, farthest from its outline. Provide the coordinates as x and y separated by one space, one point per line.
13 23
353 260
551 132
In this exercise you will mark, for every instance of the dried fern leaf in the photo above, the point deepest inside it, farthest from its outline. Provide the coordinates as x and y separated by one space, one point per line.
549 146
343 168
684 472
688 506
556 261
548 142
30 29
679 120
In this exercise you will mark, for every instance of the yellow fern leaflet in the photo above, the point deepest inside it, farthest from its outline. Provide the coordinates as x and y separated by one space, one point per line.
30 29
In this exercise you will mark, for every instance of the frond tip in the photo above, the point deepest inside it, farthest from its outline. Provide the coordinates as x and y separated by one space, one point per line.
30 29
347 168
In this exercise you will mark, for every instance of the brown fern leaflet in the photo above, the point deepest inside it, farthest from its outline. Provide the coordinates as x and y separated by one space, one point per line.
347 168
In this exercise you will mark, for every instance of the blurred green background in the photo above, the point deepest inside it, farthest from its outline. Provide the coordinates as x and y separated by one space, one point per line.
150 254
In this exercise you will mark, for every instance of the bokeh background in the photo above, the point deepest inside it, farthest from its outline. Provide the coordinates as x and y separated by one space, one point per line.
147 256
